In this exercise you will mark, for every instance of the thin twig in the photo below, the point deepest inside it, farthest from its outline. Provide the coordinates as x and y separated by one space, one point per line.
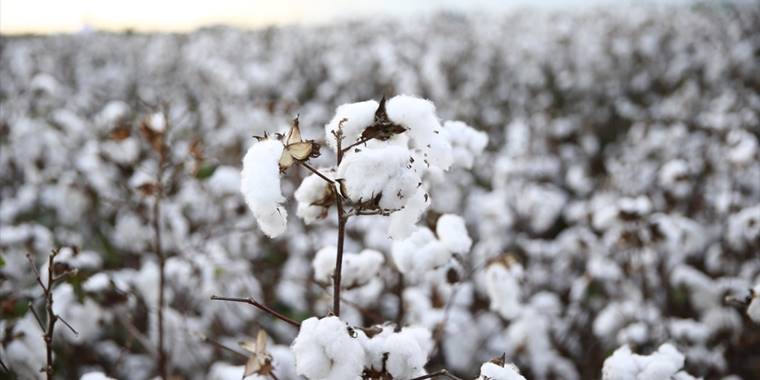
68 325
163 370
220 345
359 142
252 301
4 367
36 272
51 317
135 333
317 172
36 316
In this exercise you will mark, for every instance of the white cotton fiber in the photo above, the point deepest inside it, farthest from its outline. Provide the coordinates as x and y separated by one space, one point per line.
310 195
452 232
663 364
260 185
358 116
406 355
324 350
492 371
380 171
419 253
504 289
419 118
466 142
358 269
402 223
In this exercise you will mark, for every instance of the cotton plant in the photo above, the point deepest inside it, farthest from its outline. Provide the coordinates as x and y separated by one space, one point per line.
384 152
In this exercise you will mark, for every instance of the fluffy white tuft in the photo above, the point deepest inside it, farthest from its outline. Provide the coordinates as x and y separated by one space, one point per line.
418 116
310 196
492 371
260 185
452 232
358 269
324 350
358 116
663 364
503 289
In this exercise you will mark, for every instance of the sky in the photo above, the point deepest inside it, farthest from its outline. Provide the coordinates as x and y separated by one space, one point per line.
68 16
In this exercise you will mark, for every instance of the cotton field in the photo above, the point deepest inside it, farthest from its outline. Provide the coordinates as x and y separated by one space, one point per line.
541 194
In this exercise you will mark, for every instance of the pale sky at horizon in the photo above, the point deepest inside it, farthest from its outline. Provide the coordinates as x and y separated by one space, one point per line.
66 16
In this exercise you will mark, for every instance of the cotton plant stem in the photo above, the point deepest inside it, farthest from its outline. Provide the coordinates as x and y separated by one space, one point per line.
48 327
51 318
252 301
342 219
161 353
317 172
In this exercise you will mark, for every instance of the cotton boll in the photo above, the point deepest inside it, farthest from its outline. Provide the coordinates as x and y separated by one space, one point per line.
504 289
419 253
224 181
260 185
324 349
662 364
358 116
384 172
452 232
324 264
314 196
406 357
418 116
402 223
492 371
374 347
466 142
358 269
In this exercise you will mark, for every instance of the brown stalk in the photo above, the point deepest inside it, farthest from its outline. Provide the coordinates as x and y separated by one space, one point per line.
252 301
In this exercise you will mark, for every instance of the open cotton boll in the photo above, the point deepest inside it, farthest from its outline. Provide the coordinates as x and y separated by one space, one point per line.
419 253
452 232
407 353
260 185
384 172
466 142
358 269
324 350
324 263
753 310
503 289
358 116
418 117
313 197
663 364
493 371
402 222
374 347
